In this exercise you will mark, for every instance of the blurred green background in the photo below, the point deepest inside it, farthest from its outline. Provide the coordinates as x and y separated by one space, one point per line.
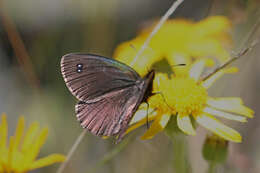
52 28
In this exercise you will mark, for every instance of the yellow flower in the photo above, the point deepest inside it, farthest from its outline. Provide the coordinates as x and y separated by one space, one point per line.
21 152
186 97
178 41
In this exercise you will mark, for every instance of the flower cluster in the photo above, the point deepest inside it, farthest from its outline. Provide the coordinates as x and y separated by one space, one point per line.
20 154
179 41
183 92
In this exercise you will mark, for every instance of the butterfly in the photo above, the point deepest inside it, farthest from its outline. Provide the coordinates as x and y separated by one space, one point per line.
109 92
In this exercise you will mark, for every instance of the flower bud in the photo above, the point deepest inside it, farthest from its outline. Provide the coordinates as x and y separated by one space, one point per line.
215 149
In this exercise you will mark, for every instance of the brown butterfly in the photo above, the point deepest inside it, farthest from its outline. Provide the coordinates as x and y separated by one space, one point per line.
109 92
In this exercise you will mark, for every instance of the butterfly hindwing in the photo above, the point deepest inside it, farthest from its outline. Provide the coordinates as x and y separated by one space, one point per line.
110 115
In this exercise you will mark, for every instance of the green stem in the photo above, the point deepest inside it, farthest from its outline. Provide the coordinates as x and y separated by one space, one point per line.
212 167
111 154
180 162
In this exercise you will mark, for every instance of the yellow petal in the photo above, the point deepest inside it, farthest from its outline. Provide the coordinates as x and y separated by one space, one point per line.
229 100
208 47
11 152
37 144
184 123
231 105
105 137
198 66
46 161
224 114
19 132
212 25
140 123
160 83
135 126
196 69
212 124
127 51
174 58
139 115
3 131
29 136
17 161
208 82
157 126
142 113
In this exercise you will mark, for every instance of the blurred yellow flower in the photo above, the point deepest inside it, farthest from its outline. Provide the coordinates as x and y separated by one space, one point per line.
178 41
186 97
20 155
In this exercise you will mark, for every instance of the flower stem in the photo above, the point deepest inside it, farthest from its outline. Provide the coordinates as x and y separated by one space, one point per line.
231 60
18 46
108 157
212 167
72 150
180 162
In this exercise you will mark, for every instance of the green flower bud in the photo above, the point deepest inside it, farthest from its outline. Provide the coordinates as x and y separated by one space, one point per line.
215 149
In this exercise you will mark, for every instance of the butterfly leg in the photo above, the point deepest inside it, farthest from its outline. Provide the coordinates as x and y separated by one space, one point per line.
147 114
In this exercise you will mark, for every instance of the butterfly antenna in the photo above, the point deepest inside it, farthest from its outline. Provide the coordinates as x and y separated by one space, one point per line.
132 46
240 54
178 65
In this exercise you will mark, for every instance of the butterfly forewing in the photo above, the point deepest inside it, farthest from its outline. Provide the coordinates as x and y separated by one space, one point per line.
90 76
